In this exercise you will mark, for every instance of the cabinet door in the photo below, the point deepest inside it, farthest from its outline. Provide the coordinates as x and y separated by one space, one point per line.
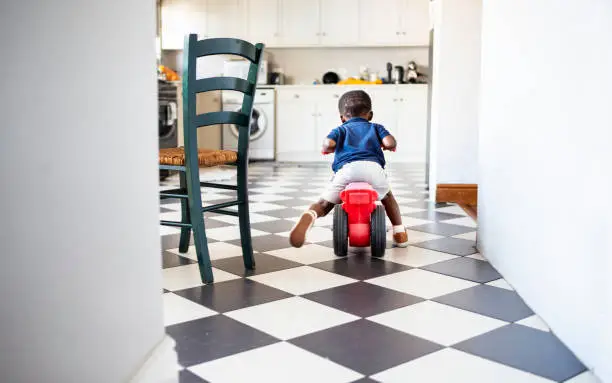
300 23
263 18
415 23
179 18
339 22
295 128
384 107
412 123
328 118
379 22
224 19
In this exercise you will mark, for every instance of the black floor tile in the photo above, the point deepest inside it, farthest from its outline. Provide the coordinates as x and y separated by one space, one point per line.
214 337
232 295
491 301
171 241
266 243
433 215
172 260
361 266
365 380
455 246
466 268
527 349
264 263
363 299
441 228
186 376
278 226
365 346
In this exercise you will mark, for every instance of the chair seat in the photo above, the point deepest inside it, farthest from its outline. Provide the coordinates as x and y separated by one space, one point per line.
206 157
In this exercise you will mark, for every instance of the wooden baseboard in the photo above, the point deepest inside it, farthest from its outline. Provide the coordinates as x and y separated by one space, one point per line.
466 194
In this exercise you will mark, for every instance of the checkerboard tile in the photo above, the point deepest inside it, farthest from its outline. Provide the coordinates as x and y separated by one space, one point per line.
435 311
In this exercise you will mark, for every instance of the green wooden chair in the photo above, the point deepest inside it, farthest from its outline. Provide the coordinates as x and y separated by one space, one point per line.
189 159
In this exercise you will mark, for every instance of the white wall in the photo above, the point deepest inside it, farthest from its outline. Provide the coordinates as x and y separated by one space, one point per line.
455 92
80 280
544 178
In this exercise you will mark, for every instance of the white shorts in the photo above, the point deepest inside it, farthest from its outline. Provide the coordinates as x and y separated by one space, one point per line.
358 171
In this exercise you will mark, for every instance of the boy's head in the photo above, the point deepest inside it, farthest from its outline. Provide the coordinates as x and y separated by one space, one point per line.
355 103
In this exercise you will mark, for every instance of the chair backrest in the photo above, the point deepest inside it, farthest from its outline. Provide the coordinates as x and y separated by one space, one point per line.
191 87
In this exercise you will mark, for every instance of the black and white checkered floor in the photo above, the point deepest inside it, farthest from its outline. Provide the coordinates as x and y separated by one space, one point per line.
433 312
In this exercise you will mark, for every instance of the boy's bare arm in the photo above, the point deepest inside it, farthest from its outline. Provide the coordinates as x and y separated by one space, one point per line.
389 142
329 146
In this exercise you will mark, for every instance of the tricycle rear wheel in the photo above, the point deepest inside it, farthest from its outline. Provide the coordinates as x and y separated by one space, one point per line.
340 231
378 232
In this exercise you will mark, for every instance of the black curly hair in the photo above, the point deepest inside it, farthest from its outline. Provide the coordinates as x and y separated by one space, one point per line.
354 103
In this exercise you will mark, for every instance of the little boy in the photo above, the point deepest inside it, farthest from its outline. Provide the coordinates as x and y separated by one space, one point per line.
359 158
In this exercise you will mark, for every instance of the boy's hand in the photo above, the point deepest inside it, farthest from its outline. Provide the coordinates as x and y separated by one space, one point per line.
329 146
389 143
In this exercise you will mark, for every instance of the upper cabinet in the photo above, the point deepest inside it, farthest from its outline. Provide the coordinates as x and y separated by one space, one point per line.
263 21
299 23
339 23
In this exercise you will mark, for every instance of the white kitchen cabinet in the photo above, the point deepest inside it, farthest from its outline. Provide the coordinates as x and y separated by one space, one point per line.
225 18
412 123
296 140
263 21
300 23
339 23
415 23
380 22
179 18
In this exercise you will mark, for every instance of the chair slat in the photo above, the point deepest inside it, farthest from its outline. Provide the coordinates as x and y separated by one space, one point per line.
226 46
223 83
218 118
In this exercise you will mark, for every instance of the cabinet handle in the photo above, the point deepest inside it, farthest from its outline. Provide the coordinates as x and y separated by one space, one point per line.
336 96
275 34
401 99
395 99
397 33
318 34
296 96
324 34
404 33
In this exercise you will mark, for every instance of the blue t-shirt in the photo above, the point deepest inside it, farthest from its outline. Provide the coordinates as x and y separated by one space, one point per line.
358 140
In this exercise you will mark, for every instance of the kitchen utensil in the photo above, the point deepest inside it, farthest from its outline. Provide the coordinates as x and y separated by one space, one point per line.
277 78
411 72
331 78
389 73
398 74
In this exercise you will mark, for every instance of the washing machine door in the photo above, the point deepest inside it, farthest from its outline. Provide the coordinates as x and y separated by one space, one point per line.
259 124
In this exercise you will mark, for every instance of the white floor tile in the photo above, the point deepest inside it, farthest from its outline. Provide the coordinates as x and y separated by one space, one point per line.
501 283
465 221
302 280
471 236
410 209
277 363
178 309
306 255
167 230
268 197
453 366
256 207
253 217
585 377
416 256
454 209
291 317
534 321
478 256
217 250
422 283
401 199
438 323
230 232
272 190
410 221
184 277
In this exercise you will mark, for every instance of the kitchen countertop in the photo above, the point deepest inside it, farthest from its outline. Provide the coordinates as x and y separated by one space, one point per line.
332 86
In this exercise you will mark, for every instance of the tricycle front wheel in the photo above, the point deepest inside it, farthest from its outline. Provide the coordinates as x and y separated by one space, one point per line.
378 232
340 231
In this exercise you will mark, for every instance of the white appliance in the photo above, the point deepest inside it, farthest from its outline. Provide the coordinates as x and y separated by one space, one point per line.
240 69
263 129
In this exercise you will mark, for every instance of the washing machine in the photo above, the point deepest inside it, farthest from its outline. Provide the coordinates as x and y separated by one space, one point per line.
261 146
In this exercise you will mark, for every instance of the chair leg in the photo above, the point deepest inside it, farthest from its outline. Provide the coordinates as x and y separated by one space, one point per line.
197 222
243 216
185 217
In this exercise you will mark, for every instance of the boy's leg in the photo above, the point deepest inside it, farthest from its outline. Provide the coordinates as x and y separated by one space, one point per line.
318 209
400 237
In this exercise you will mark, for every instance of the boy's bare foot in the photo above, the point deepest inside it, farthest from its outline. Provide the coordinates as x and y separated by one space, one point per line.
297 237
400 239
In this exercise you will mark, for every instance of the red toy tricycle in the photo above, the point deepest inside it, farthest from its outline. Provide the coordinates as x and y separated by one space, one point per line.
359 221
